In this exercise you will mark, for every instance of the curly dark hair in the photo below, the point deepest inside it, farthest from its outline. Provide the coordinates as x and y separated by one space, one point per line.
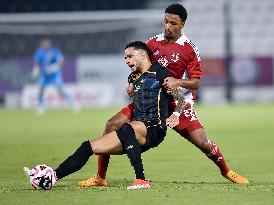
177 9
139 45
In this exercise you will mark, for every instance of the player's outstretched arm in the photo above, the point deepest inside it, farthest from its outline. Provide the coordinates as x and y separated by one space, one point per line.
171 83
179 98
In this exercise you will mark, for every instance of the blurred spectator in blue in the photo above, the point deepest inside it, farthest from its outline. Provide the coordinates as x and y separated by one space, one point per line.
48 62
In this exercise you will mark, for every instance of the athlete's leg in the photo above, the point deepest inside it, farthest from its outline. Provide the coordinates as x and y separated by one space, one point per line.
75 162
58 83
131 138
109 143
128 138
199 138
65 94
41 84
41 97
114 123
41 94
191 129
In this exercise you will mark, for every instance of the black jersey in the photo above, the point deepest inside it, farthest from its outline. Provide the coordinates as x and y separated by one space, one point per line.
150 97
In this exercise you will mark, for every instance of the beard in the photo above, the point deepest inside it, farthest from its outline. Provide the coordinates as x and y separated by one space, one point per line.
169 35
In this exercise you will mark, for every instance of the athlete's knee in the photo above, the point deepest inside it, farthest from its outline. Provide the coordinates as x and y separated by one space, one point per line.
205 144
129 142
114 124
206 147
96 145
125 133
200 139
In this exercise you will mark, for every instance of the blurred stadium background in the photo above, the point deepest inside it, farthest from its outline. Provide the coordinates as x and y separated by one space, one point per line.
235 39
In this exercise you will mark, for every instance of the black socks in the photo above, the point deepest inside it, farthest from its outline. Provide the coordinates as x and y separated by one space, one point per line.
79 158
76 161
132 148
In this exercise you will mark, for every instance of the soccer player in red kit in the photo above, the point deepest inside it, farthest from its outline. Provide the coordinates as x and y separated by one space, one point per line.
174 51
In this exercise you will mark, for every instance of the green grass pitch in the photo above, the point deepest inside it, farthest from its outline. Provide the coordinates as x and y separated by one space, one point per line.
179 172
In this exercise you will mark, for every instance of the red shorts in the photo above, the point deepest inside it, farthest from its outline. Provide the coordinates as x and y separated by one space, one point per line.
188 118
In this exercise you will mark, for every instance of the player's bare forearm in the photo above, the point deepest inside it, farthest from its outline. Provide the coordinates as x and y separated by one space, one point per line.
192 84
171 83
179 100
173 120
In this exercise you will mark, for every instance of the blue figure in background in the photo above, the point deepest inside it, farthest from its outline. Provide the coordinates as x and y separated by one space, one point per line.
48 62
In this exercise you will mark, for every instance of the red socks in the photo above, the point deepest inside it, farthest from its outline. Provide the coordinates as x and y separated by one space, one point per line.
103 161
216 156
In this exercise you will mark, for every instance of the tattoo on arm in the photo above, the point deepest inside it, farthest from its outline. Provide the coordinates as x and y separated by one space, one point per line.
179 97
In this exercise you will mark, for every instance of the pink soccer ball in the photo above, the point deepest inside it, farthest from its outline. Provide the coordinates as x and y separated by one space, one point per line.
41 176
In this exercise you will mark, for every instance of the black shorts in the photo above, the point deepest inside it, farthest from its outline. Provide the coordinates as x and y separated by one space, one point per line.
155 135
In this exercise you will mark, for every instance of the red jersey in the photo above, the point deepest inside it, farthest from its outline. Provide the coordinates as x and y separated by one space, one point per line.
181 58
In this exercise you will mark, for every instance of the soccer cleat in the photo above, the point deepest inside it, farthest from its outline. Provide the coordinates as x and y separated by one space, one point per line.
93 181
236 178
139 184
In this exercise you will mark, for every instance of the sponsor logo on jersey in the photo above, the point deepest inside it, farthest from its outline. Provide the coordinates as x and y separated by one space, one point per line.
130 147
156 53
163 61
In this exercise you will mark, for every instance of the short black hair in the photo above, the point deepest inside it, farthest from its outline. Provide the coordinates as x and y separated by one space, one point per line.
177 9
139 45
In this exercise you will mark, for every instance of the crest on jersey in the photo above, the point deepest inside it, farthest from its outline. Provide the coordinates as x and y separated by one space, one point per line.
175 57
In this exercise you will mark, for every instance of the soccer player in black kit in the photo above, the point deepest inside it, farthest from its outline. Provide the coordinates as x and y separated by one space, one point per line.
148 126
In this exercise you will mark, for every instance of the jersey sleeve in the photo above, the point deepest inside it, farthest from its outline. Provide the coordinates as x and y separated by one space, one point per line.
194 67
162 74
